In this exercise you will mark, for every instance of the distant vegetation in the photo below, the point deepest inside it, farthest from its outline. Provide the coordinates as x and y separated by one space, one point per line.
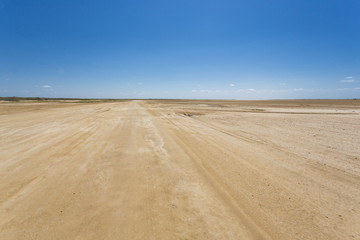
99 100
39 99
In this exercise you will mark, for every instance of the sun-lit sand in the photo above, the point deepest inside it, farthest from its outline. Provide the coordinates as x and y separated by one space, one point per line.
180 169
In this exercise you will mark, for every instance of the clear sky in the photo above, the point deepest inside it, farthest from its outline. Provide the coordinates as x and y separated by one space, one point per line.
213 49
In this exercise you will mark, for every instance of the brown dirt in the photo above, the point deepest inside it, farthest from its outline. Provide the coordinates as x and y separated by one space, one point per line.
180 170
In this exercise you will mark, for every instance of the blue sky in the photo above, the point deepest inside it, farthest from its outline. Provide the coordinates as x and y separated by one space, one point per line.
213 49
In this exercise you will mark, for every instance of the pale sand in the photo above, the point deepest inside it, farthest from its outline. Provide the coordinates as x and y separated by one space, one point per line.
180 170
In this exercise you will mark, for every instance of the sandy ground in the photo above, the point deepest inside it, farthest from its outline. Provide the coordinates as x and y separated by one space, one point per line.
180 170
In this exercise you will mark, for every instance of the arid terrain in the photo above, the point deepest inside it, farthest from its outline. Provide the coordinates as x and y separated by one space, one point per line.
177 169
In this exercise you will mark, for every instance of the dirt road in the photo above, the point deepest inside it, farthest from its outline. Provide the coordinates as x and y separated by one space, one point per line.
180 170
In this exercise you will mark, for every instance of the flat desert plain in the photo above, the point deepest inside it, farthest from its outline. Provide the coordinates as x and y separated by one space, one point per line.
176 169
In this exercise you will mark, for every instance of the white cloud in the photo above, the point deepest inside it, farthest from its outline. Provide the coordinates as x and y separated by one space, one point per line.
205 91
348 81
46 86
348 89
232 85
298 89
249 90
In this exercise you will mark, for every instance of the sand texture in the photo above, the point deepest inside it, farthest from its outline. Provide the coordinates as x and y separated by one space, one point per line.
156 169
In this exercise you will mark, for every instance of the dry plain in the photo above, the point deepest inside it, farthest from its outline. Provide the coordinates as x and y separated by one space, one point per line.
156 169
